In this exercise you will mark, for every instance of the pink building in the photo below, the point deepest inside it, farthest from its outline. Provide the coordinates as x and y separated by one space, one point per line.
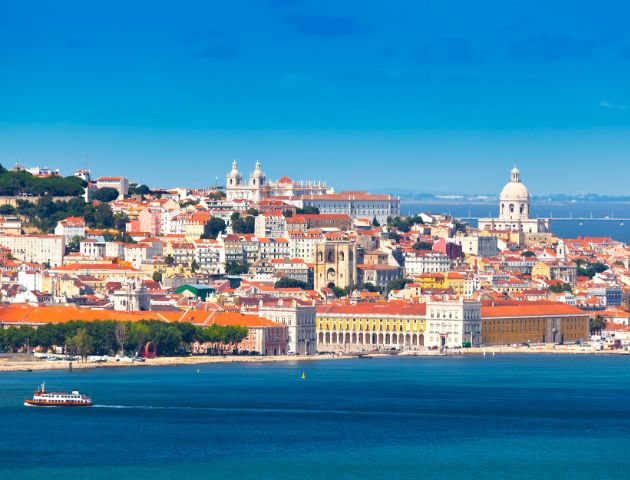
449 248
150 221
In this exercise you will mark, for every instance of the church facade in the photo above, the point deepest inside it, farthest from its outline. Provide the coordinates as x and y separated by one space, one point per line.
258 188
514 210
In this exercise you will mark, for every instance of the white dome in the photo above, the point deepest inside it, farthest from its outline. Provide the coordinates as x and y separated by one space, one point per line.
258 173
514 191
234 172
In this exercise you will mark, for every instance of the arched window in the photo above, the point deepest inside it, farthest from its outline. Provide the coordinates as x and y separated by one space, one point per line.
522 208
330 256
511 208
503 208
342 256
320 257
330 274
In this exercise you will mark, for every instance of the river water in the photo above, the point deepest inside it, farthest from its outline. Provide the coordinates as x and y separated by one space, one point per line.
563 228
507 417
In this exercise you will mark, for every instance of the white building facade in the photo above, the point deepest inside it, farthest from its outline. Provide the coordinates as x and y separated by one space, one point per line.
420 262
299 317
36 248
514 210
453 323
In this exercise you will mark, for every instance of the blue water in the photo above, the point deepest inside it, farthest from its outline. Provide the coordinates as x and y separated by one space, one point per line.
563 228
500 417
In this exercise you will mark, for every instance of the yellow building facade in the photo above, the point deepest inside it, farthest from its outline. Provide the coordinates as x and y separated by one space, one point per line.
533 322
430 280
370 326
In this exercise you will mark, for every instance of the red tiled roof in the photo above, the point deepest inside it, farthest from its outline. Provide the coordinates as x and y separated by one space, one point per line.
529 309
376 308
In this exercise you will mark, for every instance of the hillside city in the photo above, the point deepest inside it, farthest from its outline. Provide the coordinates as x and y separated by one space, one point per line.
100 266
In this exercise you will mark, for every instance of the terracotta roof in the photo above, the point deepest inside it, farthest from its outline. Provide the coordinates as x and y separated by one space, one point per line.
348 196
109 179
529 309
24 313
376 308
73 267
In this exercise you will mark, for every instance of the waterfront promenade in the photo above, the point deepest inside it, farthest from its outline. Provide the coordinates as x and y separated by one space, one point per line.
20 365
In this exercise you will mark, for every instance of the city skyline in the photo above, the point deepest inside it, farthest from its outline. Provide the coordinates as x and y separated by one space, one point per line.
403 96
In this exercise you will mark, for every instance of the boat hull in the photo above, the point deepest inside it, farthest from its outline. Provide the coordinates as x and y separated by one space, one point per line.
32 403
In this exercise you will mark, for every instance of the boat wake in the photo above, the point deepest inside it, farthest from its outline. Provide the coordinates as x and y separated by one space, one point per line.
254 410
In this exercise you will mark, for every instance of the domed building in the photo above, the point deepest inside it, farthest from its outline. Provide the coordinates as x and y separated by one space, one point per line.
514 209
253 190
259 188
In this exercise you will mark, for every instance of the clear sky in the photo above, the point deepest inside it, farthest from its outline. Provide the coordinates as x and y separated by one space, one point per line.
430 96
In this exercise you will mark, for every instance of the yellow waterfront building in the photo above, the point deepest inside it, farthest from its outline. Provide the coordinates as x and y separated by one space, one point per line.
370 326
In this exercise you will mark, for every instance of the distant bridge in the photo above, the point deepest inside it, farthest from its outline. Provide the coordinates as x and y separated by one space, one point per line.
580 219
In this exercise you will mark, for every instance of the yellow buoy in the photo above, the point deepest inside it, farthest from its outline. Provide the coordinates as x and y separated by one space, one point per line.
303 376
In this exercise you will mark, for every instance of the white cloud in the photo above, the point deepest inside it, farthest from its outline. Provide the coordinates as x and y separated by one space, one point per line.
617 106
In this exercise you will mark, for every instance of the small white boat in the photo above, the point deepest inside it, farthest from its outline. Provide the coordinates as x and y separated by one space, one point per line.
42 398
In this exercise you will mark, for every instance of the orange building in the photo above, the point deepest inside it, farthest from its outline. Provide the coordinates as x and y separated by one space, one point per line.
513 322
264 336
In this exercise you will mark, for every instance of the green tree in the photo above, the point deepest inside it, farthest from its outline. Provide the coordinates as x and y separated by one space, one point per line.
105 194
120 221
308 210
242 225
587 269
528 254
140 190
397 284
7 209
422 246
74 243
138 336
560 287
287 282
338 291
157 276
597 324
169 260
370 287
213 228
236 268
81 343
375 222
121 333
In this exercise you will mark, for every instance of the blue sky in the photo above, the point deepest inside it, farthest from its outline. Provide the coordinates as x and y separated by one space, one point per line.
431 96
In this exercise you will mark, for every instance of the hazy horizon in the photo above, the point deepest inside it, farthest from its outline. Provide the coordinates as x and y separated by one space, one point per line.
418 95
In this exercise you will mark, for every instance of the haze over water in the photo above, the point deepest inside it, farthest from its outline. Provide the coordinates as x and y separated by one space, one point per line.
515 416
563 228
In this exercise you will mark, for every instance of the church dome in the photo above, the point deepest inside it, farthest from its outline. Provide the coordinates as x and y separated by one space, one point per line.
258 173
514 189
234 172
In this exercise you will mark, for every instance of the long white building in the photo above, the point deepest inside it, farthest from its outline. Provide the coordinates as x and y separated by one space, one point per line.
36 248
356 205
